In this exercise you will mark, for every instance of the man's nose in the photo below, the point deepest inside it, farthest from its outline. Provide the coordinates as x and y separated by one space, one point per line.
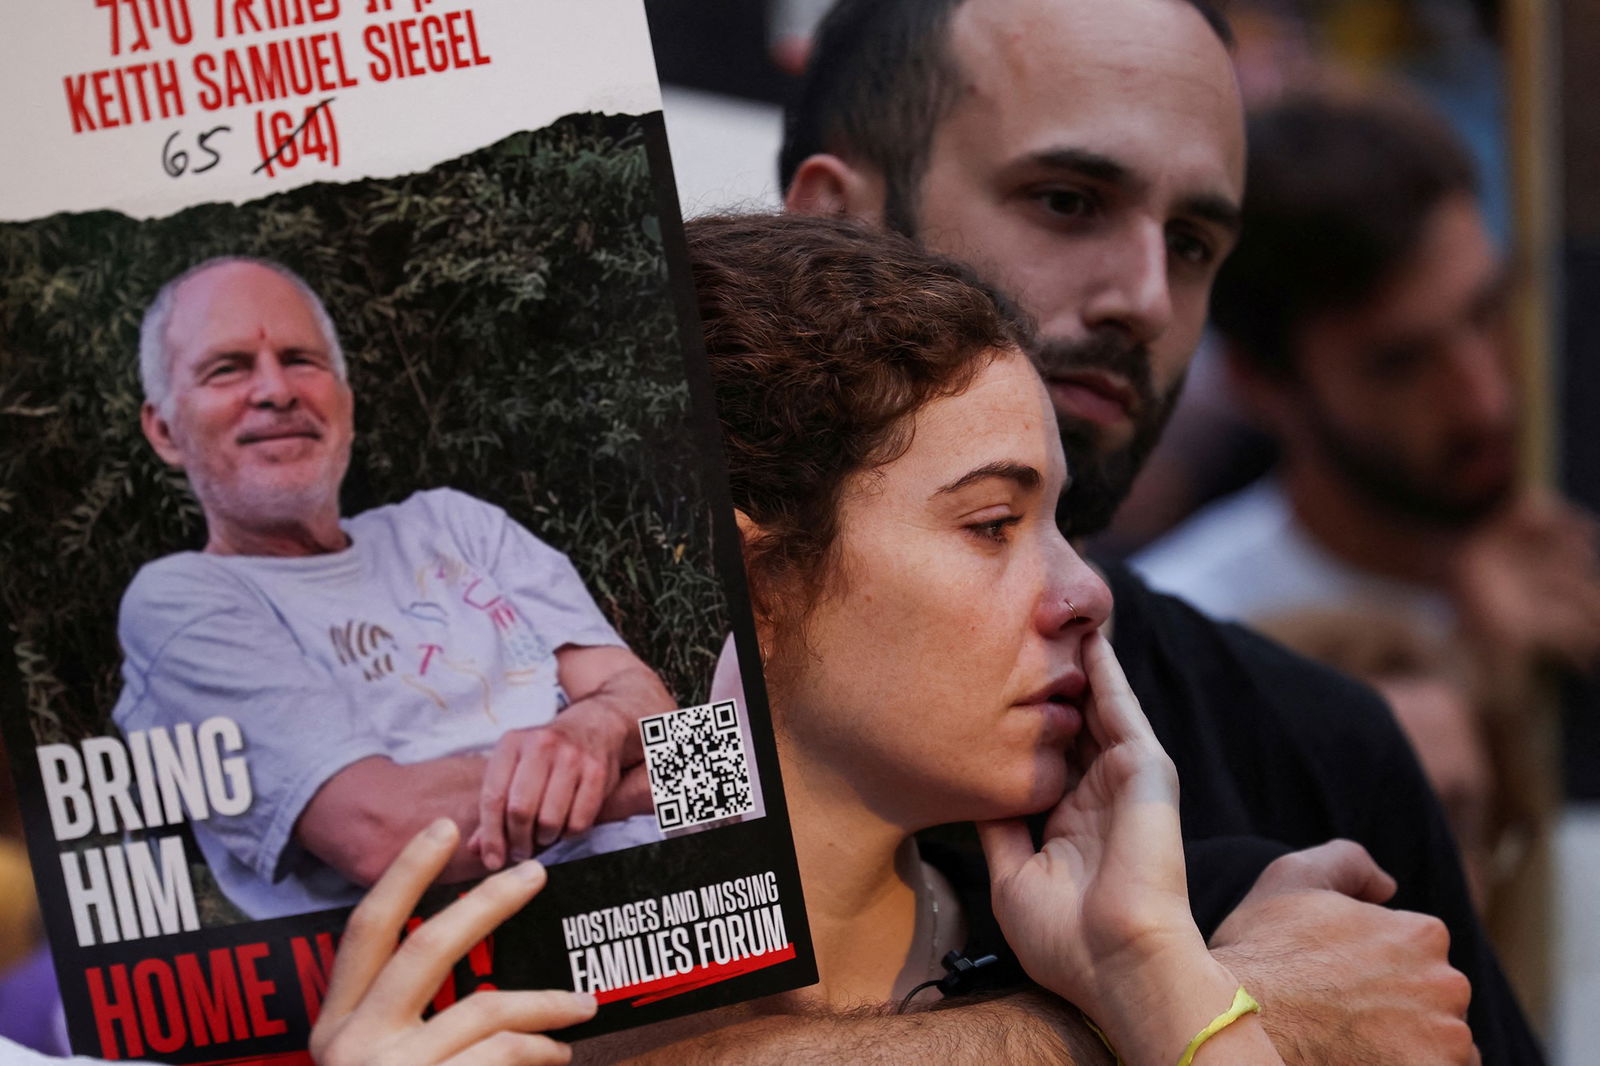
1482 385
269 385
1133 291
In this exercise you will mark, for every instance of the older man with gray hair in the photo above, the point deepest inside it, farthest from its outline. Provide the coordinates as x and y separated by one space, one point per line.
431 649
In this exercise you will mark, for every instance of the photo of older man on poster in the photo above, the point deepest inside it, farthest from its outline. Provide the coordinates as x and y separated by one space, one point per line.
432 649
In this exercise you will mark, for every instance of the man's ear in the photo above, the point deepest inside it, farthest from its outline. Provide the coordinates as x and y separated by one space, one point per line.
827 185
159 434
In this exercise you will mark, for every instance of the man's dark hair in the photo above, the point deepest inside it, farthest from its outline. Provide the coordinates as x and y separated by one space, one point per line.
880 80
1338 192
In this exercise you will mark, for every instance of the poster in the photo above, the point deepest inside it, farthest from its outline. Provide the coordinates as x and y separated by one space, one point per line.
400 474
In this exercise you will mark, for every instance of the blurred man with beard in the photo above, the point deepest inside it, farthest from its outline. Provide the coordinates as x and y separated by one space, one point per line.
1365 320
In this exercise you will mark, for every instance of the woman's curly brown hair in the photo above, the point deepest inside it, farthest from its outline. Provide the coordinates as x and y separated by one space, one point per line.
824 336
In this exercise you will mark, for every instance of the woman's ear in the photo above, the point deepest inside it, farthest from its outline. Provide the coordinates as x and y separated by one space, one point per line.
751 536
749 531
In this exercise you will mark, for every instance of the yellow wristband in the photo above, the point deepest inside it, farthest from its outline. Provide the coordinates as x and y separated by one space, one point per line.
1101 1033
1243 1003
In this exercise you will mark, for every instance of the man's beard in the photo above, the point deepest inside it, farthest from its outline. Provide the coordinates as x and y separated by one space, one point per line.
1373 472
1101 478
264 504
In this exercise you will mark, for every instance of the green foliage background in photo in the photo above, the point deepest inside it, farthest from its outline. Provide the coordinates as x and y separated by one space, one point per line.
510 331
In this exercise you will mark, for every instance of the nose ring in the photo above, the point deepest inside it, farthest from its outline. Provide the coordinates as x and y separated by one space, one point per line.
1072 612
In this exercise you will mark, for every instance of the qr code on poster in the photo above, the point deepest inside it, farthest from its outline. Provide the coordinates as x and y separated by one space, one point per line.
698 769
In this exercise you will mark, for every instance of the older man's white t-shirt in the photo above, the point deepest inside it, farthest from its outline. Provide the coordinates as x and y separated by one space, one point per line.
432 635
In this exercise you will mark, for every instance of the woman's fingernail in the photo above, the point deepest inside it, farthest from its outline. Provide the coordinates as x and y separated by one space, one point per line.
529 869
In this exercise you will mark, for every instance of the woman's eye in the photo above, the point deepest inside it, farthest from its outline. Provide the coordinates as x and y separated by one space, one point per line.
994 530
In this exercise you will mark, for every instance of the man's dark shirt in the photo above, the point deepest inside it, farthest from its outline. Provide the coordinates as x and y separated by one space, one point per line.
1277 753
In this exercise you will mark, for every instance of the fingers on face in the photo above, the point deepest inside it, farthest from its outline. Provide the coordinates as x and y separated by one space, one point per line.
375 925
419 967
1117 717
1007 845
1079 756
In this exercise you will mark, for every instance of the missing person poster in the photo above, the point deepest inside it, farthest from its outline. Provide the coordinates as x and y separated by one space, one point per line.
356 471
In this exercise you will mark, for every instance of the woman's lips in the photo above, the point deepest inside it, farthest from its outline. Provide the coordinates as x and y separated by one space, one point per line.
1062 720
1060 706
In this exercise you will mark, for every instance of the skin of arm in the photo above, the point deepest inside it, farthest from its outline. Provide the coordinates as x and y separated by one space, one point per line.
616 681
1023 1027
353 824
553 781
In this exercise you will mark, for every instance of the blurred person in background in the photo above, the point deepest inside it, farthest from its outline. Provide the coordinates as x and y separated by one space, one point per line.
1462 736
1365 321
30 1003
1365 317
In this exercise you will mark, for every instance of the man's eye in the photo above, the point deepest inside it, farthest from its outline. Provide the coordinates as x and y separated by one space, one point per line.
1396 363
1491 312
221 371
1068 203
1190 248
